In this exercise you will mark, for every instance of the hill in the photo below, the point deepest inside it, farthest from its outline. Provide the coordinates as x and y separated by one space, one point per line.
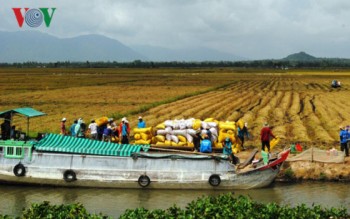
35 46
27 46
301 56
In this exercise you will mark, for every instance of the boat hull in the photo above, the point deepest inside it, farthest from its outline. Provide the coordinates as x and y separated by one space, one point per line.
172 172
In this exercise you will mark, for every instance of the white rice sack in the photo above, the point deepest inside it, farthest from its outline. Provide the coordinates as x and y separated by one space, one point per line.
168 130
182 132
168 137
212 124
189 123
203 132
169 123
214 138
205 125
192 132
214 131
189 138
182 124
174 138
176 124
162 132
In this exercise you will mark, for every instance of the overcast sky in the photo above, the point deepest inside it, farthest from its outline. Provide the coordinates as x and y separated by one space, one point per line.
248 28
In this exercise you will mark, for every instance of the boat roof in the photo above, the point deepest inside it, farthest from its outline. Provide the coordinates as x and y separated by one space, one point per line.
69 144
25 111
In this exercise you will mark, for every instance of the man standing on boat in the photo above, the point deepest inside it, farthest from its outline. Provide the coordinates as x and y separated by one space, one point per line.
206 145
266 135
241 132
93 129
5 129
227 150
79 132
72 128
124 131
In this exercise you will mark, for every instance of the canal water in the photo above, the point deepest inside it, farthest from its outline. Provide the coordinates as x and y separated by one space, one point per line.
114 202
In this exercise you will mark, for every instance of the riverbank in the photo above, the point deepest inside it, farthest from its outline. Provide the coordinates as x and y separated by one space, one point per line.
307 170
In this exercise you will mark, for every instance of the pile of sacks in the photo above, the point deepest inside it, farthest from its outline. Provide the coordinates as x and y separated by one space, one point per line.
181 132
143 135
228 129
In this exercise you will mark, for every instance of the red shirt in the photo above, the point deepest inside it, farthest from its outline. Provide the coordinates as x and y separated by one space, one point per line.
265 134
63 128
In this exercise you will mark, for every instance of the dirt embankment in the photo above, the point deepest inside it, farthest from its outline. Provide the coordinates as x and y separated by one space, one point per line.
307 170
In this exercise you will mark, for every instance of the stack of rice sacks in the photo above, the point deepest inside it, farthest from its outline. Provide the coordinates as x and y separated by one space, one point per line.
181 132
143 135
228 129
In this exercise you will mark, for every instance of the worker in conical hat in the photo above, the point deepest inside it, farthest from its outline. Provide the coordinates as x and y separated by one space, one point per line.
344 136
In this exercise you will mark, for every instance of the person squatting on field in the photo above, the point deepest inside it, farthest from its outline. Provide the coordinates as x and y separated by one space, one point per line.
266 135
344 136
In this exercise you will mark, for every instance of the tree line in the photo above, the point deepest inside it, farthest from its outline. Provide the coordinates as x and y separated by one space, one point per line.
271 63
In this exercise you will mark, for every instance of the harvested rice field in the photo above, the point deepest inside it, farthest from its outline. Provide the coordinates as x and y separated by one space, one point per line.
300 106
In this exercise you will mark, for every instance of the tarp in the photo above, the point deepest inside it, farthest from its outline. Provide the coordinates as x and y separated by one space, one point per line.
318 155
25 111
69 144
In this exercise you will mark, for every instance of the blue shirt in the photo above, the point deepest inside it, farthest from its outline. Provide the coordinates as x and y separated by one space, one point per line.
205 146
72 129
124 130
107 131
141 124
344 135
228 149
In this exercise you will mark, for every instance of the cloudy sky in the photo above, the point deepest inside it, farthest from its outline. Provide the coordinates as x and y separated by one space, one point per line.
255 29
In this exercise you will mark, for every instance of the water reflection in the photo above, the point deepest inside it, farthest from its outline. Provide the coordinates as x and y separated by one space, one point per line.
114 202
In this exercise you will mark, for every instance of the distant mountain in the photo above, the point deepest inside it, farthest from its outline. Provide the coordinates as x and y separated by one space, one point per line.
301 56
161 54
26 46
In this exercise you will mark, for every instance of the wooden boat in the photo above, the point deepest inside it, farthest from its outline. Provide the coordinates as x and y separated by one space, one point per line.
74 162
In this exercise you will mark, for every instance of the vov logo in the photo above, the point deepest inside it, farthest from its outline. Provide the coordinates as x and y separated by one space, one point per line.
34 17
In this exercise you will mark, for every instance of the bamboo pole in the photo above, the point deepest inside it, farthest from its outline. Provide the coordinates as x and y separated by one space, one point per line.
182 151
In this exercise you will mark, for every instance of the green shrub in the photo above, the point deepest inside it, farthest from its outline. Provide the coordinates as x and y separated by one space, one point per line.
45 210
222 206
289 174
227 206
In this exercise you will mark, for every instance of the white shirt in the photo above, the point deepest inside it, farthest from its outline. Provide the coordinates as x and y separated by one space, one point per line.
93 128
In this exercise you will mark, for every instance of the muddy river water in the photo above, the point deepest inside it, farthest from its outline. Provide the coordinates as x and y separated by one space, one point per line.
114 202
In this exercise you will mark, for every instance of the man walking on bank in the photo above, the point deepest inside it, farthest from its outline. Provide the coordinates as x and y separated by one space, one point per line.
266 135
344 136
